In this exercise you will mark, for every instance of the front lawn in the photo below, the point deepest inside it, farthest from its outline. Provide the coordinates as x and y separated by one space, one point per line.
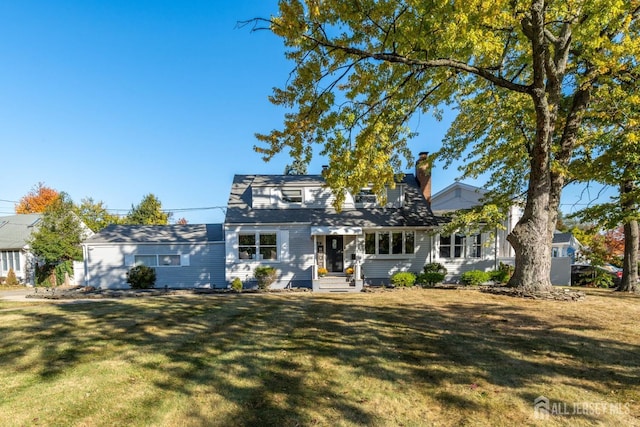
412 358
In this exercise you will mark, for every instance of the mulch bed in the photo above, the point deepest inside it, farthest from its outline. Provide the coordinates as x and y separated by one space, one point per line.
560 294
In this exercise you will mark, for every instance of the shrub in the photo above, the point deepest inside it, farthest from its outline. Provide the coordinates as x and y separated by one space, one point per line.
433 273
430 279
141 277
11 279
236 285
403 278
502 274
265 276
475 277
322 271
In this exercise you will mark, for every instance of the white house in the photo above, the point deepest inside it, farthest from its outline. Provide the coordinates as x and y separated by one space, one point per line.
15 231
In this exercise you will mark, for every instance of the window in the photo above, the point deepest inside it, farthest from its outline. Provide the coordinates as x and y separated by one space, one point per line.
383 243
10 260
458 245
292 195
555 253
389 243
366 196
247 248
445 246
173 260
265 245
160 260
268 246
370 243
461 246
475 250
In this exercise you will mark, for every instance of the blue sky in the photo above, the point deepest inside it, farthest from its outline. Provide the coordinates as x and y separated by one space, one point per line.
117 99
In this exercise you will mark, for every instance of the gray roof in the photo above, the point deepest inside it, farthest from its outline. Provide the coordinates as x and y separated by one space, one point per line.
15 230
415 213
176 233
562 237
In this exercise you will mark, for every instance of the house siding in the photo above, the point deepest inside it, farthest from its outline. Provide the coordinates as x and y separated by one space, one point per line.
107 265
378 269
295 262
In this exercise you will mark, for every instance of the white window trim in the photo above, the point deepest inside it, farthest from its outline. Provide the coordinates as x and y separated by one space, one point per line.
368 192
130 260
284 200
467 246
278 247
390 255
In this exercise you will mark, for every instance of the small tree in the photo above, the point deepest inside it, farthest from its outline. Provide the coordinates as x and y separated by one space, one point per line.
148 212
57 238
141 277
37 200
11 279
265 276
236 284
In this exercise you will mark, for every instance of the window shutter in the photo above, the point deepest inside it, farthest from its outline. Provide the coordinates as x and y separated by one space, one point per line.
184 260
129 260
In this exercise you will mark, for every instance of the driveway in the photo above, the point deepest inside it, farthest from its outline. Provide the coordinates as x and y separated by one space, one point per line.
16 295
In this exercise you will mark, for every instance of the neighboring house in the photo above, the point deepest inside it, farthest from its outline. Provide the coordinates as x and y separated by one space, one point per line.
460 252
566 245
15 231
184 256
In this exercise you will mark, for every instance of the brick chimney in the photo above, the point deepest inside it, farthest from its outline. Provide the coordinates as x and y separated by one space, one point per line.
423 175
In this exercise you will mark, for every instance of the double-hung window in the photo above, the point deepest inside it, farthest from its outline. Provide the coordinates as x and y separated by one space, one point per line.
389 243
460 246
258 246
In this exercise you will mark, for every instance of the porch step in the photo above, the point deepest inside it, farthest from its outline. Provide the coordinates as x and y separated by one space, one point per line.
335 284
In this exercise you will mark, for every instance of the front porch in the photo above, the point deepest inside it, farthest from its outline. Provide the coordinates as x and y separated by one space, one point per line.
336 283
337 265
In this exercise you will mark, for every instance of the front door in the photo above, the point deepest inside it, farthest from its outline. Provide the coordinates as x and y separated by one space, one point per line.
335 249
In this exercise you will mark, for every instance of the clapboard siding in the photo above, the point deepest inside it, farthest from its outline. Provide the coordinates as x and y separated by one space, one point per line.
107 265
294 264
378 269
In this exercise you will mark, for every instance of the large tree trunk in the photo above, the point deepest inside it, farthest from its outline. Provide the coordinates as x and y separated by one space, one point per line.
532 236
631 242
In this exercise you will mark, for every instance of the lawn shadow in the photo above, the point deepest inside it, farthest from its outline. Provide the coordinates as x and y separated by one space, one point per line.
283 359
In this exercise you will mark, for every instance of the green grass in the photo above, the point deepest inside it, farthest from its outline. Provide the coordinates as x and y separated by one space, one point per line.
411 358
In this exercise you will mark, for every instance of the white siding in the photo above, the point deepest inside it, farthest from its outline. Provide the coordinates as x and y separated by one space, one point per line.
378 269
294 264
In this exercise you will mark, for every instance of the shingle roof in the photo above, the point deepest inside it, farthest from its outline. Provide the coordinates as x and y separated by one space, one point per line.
176 233
15 230
415 213
562 237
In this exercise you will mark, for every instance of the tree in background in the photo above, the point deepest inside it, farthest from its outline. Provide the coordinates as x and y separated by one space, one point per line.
95 214
297 167
610 155
148 212
37 199
522 72
56 242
